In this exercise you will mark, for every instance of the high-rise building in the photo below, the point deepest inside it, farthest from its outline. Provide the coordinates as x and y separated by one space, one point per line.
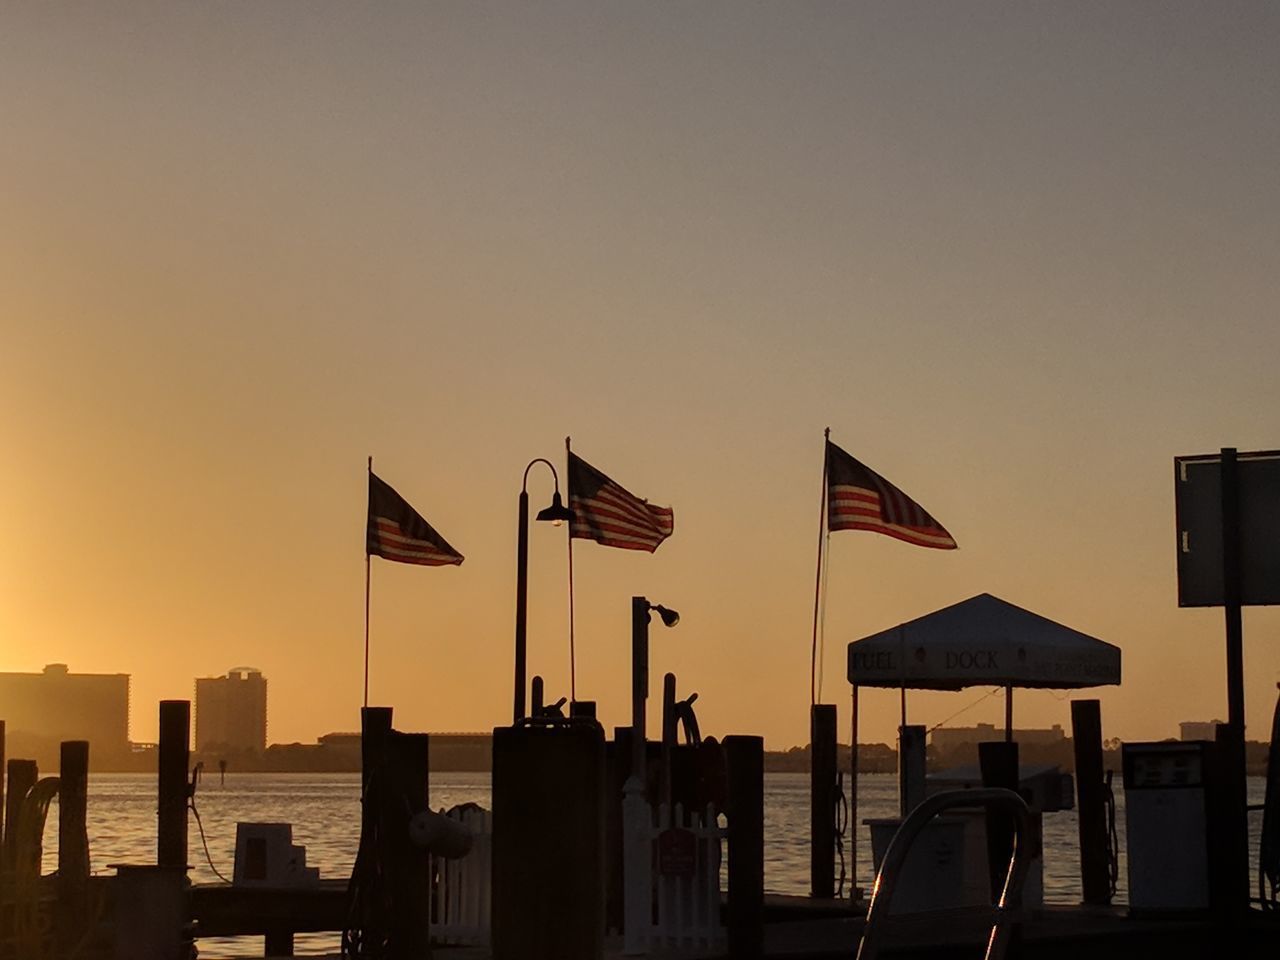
231 712
57 705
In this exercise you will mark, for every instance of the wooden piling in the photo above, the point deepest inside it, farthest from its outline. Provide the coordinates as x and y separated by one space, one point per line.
174 754
998 761
409 867
822 805
669 727
1091 805
22 775
2 811
744 757
73 842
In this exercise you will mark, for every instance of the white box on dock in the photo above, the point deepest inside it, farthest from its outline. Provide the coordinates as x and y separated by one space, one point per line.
266 856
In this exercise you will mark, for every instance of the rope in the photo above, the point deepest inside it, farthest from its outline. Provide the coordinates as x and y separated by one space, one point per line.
842 824
366 931
985 696
191 805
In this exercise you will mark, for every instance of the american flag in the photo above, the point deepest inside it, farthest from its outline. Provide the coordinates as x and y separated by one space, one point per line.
858 498
608 514
397 531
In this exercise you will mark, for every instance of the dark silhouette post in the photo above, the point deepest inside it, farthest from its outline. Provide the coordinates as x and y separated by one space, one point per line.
2 809
1091 806
73 842
998 761
822 803
410 867
1232 741
174 754
745 761
23 775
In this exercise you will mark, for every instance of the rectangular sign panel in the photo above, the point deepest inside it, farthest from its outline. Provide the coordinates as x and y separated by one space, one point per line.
1198 502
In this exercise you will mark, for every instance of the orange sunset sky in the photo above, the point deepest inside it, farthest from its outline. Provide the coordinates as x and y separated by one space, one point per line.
1016 255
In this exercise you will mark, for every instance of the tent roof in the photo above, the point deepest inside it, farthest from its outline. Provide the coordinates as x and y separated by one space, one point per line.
982 641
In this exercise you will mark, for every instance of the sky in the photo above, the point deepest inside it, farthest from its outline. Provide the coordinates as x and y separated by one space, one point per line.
1017 256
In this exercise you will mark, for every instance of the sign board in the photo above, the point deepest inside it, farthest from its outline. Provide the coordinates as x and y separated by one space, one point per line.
677 852
1198 503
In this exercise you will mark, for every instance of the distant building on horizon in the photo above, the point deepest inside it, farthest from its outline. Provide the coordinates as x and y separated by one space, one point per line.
1198 729
43 709
945 738
231 712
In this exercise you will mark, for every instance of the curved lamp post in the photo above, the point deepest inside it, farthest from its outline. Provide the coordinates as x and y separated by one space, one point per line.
556 514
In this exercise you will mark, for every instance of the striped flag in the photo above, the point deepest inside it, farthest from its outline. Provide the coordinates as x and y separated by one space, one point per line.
858 498
608 514
397 531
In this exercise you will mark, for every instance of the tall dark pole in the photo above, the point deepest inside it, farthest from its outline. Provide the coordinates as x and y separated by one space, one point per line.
1231 602
522 601
639 681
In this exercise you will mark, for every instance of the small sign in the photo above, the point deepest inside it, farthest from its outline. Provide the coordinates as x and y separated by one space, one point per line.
677 852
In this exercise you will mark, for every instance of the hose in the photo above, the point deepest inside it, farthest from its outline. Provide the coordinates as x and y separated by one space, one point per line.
1113 842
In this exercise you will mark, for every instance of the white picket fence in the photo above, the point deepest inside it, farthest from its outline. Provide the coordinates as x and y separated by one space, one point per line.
687 900
461 897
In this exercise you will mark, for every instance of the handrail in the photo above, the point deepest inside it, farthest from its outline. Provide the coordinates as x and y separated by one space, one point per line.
900 846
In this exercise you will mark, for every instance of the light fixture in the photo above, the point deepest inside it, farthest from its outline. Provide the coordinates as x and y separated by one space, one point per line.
557 513
669 617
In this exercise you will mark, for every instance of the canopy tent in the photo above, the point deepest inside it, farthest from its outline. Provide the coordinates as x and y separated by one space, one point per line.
982 641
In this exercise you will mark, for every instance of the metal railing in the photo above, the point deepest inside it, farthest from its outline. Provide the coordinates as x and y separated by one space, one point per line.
896 856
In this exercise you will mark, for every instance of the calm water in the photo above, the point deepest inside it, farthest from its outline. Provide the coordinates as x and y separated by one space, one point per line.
325 812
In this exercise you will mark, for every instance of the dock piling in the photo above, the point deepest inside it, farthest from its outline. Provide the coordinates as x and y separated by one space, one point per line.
22 776
744 757
822 785
1091 805
73 841
174 753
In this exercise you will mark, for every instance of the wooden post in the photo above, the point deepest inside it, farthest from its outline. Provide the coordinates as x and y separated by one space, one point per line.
278 943
174 753
1091 806
669 726
1008 714
409 867
822 804
745 760
23 775
998 761
73 842
2 816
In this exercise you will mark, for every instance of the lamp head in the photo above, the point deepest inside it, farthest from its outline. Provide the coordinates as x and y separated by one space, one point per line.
557 513
669 617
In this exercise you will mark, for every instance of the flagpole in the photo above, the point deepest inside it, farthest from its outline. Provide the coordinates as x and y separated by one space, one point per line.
368 567
817 584
573 659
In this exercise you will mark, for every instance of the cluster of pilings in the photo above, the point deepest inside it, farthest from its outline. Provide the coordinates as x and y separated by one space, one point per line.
45 916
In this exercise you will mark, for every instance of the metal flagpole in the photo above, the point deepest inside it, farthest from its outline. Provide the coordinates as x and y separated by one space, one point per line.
817 584
573 659
368 566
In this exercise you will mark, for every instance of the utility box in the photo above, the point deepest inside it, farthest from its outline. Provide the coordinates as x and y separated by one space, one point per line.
1166 800
266 856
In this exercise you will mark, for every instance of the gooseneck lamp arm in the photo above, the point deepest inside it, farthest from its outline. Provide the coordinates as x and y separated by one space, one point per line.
557 513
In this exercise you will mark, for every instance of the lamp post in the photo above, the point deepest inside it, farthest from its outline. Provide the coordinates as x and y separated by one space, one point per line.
556 514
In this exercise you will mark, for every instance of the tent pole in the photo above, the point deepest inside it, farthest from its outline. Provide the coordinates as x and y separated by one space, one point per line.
1008 714
853 799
